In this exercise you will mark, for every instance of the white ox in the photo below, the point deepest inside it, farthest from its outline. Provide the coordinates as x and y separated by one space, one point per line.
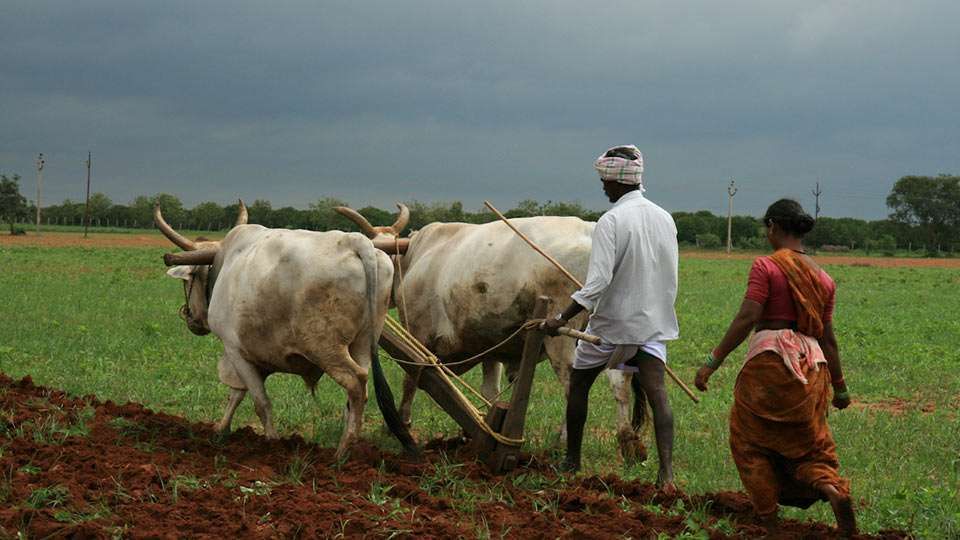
299 302
466 287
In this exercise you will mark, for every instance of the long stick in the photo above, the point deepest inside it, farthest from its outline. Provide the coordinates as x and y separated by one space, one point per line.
534 246
579 285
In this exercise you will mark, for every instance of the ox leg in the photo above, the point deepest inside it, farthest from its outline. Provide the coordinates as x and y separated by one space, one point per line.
236 396
631 446
492 373
560 351
253 380
410 383
349 369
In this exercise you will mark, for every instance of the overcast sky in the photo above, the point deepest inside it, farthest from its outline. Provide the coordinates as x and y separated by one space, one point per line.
439 101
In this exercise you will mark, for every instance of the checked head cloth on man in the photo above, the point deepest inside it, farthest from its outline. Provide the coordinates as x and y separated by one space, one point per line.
623 164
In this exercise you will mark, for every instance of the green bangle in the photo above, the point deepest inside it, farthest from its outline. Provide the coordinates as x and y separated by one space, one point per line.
712 362
844 394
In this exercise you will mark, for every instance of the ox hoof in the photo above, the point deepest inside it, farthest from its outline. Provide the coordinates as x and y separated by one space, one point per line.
632 449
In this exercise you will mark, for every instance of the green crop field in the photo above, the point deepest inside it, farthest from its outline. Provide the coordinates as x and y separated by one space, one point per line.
104 321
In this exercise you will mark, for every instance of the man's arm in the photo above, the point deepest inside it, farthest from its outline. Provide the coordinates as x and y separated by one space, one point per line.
550 325
599 274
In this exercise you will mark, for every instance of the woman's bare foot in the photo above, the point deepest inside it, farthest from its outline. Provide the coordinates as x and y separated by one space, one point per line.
771 523
843 510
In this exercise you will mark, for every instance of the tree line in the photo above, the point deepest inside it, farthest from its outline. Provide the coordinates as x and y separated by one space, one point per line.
925 215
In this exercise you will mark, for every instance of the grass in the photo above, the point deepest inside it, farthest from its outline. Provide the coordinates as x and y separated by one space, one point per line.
103 321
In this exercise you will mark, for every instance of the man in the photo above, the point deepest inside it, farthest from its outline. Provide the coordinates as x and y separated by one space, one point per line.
630 291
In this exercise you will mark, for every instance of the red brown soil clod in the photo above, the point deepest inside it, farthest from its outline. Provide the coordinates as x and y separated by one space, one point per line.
78 467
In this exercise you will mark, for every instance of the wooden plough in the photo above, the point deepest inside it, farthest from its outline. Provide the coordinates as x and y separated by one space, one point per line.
497 436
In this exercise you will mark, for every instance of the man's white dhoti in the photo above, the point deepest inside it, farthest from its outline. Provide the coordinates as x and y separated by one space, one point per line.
589 355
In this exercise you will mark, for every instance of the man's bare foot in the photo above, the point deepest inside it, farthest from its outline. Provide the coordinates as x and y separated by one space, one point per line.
569 466
843 510
669 489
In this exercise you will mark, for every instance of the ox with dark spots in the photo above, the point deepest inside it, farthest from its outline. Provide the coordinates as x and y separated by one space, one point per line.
282 301
466 287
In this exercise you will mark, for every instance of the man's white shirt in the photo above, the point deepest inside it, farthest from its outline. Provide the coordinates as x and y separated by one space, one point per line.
631 281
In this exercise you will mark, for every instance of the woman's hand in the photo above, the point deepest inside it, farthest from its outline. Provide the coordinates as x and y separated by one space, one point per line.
703 375
841 397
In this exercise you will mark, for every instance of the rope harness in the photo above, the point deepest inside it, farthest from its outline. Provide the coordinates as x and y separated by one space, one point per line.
425 358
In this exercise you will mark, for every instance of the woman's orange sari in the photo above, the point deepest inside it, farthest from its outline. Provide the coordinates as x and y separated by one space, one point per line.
779 436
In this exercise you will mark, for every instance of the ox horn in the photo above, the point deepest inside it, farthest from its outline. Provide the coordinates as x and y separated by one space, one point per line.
355 217
242 215
181 241
190 258
402 219
392 246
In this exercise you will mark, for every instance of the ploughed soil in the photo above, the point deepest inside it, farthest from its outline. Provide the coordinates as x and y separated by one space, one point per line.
77 467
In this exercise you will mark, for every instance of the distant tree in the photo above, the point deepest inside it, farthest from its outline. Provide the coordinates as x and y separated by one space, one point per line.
13 205
171 206
67 212
377 217
930 203
563 209
525 208
206 216
708 240
744 229
691 225
289 217
120 214
99 206
261 212
323 217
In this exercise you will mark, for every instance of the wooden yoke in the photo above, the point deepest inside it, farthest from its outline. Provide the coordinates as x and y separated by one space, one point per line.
504 457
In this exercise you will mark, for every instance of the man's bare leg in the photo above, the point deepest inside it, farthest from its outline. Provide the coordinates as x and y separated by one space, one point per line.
650 378
580 382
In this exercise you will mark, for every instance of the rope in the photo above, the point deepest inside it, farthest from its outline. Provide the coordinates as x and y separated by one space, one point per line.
394 327
529 325
432 360
404 314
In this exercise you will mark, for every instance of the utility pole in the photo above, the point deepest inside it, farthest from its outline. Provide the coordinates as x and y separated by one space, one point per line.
731 191
86 209
39 184
816 193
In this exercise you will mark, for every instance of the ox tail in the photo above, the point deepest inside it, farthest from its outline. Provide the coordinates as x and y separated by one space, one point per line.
385 401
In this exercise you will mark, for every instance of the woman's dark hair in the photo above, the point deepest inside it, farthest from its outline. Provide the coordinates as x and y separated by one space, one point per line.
789 215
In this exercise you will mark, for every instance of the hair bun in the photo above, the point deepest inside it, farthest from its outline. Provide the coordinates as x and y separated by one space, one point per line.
804 223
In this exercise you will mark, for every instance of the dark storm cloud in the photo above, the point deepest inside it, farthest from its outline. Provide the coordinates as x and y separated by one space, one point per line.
441 100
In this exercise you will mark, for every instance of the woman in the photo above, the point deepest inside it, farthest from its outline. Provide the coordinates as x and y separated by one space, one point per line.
779 435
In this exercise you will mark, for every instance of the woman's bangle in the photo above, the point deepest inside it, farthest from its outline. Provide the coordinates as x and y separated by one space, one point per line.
712 362
842 394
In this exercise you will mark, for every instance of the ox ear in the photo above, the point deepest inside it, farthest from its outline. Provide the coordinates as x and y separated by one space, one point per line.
180 272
